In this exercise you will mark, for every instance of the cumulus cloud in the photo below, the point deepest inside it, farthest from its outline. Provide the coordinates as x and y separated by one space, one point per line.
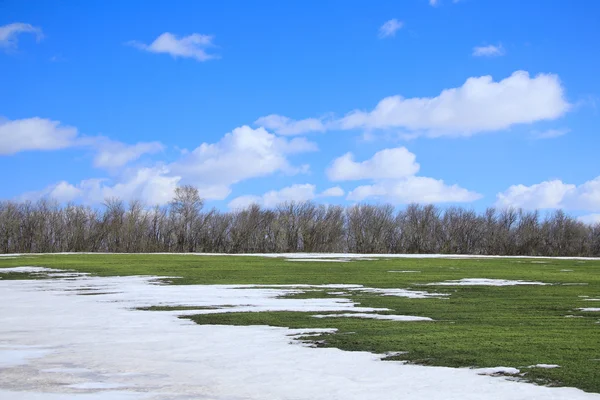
113 154
287 126
393 172
389 28
40 134
9 34
242 154
488 51
298 193
553 194
335 191
414 189
152 185
193 46
385 164
479 105
34 134
590 219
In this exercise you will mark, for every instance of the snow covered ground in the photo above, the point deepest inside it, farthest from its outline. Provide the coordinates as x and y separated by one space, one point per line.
58 345
341 256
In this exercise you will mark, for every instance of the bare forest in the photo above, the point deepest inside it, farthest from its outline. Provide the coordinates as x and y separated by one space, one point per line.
185 226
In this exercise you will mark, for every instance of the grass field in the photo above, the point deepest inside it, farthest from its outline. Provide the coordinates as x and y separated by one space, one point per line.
474 326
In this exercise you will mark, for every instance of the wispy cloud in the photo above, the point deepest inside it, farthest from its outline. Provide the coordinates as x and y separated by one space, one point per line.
9 34
193 46
550 133
488 51
389 28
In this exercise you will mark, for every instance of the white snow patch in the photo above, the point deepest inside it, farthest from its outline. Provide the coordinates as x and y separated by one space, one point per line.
334 255
157 356
13 355
590 309
375 316
27 270
317 259
591 299
96 385
566 270
497 371
404 271
545 366
484 282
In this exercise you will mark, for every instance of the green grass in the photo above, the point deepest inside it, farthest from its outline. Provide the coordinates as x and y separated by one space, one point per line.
513 326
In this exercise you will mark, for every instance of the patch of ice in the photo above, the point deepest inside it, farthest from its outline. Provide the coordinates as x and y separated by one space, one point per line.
497 371
590 309
484 282
545 366
179 360
375 316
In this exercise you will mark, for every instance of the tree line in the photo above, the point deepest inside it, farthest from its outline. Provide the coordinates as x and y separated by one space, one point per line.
185 226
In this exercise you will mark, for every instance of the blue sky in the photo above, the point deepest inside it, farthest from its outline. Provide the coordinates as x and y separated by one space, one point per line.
470 102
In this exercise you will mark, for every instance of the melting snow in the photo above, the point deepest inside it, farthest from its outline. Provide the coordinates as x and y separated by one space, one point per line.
375 316
484 282
404 271
154 355
590 309
497 371
545 366
318 259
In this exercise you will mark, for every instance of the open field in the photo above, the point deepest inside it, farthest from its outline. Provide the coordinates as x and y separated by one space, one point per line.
518 313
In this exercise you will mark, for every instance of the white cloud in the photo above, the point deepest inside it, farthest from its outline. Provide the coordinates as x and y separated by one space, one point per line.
287 126
298 193
389 28
550 133
9 34
192 46
393 174
385 164
43 134
488 51
433 3
590 219
113 154
241 154
553 194
34 134
479 105
152 185
413 189
335 191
